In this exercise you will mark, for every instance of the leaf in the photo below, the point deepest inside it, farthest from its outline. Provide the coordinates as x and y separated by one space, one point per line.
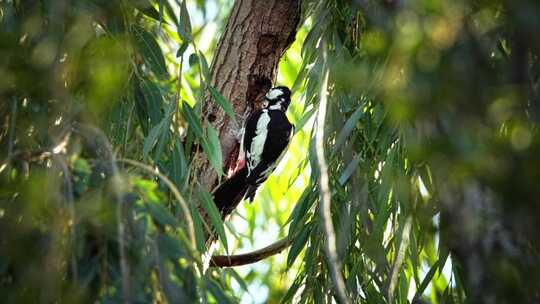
178 165
300 210
212 148
161 215
204 67
292 291
426 280
151 52
305 118
349 170
349 126
154 100
193 59
152 138
222 102
199 230
238 279
184 27
192 120
170 247
298 244
182 49
212 211
165 132
217 292
170 11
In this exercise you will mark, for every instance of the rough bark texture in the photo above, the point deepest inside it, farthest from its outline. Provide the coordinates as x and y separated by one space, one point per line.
245 67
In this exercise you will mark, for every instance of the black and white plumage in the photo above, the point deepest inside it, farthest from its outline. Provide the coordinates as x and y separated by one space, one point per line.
267 133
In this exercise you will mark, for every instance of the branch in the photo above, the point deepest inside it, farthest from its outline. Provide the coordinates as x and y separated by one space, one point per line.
326 216
251 257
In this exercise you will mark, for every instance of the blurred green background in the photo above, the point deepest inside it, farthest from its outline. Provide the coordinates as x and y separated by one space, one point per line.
431 140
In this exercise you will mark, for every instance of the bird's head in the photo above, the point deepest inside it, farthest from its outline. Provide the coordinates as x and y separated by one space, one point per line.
278 98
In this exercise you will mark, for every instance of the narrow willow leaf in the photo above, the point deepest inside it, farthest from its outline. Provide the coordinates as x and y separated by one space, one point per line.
349 126
161 215
170 11
178 165
204 67
140 105
151 139
166 130
292 290
170 247
426 280
300 210
212 211
222 102
153 100
349 170
192 120
151 52
238 279
212 148
298 244
182 49
184 27
160 6
199 230
145 7
217 292
305 118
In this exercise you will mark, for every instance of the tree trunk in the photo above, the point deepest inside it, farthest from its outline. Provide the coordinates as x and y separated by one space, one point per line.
245 67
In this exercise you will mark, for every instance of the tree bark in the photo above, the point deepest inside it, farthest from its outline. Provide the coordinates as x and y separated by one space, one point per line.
245 67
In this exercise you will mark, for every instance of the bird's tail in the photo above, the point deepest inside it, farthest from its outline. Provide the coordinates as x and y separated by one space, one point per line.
231 192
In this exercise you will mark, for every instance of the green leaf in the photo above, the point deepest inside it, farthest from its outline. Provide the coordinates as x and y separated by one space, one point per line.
192 120
204 67
170 247
222 102
151 139
217 292
426 280
193 60
305 118
166 129
349 126
179 167
161 215
212 211
212 148
238 279
184 27
170 11
151 52
349 170
154 100
199 230
298 244
182 49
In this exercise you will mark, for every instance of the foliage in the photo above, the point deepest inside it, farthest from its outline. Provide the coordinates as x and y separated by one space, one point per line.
431 141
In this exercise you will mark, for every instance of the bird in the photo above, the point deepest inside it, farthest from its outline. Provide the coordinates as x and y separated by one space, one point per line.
266 135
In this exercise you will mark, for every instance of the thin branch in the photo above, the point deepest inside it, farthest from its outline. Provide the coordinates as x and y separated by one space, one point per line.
326 216
71 207
174 190
250 257
405 236
93 133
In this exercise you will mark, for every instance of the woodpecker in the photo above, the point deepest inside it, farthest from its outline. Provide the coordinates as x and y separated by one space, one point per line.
267 133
